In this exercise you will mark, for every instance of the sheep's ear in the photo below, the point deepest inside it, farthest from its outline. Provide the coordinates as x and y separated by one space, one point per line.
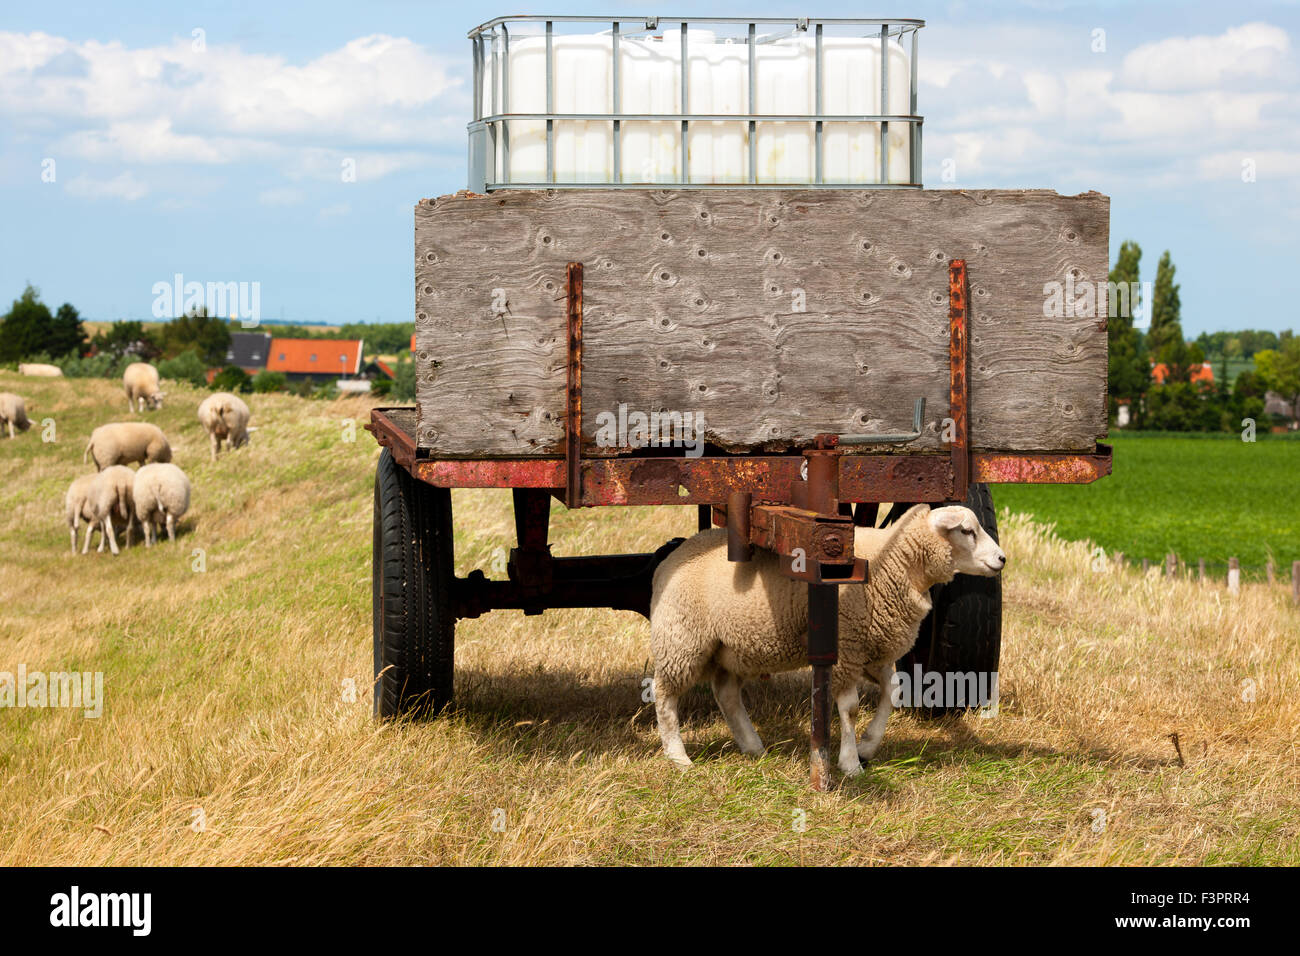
947 519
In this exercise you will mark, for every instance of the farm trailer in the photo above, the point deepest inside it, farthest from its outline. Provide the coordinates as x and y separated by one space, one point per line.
780 351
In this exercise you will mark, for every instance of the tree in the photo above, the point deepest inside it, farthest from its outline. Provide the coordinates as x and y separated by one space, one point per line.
126 338
25 330
1279 369
67 334
196 330
1129 370
1165 338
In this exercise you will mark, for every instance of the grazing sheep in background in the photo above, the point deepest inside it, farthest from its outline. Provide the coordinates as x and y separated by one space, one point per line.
141 383
162 494
733 621
42 371
224 416
13 413
121 443
76 508
112 495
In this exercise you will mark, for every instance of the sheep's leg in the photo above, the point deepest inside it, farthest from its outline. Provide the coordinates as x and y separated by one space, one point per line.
216 444
85 548
72 531
726 691
130 524
847 702
669 730
876 729
171 528
112 537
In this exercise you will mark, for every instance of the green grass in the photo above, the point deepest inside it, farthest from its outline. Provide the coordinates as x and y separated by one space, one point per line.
1201 496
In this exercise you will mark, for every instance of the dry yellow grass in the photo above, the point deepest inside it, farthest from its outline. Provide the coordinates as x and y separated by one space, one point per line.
226 693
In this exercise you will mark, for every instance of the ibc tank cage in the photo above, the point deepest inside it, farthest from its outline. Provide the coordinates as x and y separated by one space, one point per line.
606 102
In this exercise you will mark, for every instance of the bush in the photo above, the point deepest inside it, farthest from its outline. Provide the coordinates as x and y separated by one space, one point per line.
403 388
102 365
232 379
265 381
381 386
186 367
304 388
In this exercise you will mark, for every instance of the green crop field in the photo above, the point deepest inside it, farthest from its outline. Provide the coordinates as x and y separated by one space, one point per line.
1200 496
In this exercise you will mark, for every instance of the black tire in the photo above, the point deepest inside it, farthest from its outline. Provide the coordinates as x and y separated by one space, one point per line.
415 631
963 631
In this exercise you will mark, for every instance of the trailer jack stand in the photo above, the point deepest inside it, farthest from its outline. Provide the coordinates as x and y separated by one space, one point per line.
823 652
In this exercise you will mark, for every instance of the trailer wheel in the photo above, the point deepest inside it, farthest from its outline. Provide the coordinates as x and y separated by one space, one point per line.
415 632
963 631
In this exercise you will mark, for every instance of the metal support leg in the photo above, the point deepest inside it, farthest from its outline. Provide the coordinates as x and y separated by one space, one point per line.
704 517
823 652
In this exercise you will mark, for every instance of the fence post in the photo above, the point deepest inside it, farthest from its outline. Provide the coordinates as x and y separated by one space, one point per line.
1146 565
1171 564
1119 559
1295 581
1200 568
1269 569
1234 576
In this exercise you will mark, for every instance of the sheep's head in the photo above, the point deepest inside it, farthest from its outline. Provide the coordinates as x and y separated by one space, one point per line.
973 550
156 399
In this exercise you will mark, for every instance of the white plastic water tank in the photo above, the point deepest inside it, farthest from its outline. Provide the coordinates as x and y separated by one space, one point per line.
718 152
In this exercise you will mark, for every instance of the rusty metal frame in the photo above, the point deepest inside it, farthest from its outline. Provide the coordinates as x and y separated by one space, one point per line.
959 377
573 393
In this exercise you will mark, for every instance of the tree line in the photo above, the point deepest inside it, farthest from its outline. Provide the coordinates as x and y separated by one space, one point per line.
183 348
1183 401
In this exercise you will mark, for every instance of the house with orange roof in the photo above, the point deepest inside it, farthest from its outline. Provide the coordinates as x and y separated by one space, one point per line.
321 360
1203 373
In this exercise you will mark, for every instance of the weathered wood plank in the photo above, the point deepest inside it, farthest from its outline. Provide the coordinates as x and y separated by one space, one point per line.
691 305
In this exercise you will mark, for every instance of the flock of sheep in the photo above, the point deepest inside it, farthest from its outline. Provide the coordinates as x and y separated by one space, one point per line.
155 496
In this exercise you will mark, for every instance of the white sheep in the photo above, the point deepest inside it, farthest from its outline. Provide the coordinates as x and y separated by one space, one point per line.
39 370
111 495
142 386
162 494
13 413
120 443
224 416
76 507
734 621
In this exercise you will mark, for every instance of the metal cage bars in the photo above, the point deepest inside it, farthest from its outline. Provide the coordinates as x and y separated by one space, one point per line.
490 134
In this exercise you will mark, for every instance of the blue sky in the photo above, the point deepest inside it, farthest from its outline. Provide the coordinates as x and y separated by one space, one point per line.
223 164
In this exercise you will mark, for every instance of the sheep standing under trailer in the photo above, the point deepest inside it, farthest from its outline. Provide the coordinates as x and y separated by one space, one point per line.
732 622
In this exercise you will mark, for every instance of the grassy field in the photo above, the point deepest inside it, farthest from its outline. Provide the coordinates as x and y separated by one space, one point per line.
230 733
1201 496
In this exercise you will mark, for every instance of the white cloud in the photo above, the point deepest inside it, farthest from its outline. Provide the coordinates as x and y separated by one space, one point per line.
1251 51
378 97
1077 120
123 186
